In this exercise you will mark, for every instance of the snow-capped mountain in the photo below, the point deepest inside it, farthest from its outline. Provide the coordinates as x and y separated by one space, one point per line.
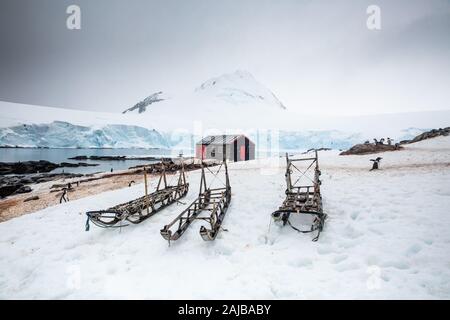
239 87
229 101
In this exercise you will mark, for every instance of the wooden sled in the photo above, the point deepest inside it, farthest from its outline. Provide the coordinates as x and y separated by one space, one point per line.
213 201
303 197
138 210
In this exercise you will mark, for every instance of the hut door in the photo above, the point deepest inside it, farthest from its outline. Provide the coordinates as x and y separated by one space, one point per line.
203 152
242 153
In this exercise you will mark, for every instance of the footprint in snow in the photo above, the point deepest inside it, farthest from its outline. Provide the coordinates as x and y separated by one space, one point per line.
354 215
347 267
401 265
301 263
414 249
325 249
339 259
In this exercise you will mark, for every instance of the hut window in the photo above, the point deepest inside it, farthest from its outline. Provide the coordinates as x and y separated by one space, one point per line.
213 152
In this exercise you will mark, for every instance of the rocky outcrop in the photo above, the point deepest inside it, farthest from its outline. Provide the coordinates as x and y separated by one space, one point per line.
369 148
428 135
76 165
15 184
118 158
141 106
28 167
31 199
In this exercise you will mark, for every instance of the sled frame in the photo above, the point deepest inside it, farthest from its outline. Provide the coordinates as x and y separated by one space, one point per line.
302 196
213 201
140 209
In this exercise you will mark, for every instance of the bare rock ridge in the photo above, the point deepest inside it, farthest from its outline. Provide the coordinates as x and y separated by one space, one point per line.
141 106
429 134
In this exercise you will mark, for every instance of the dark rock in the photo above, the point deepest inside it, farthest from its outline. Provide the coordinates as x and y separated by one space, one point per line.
118 158
76 165
23 189
31 199
107 158
428 135
26 167
79 158
9 190
16 184
370 148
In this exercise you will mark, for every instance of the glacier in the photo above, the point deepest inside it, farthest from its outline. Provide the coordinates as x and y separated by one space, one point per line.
61 134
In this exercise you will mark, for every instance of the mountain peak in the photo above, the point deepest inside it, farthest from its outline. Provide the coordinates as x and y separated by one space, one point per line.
239 87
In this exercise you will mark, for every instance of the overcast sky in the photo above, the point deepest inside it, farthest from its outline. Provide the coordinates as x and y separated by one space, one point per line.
316 56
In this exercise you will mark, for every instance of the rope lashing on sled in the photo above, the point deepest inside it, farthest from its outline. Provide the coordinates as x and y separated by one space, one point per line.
215 176
303 173
313 228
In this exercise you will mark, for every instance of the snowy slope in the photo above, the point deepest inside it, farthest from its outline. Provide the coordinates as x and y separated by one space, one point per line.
386 237
234 101
12 114
239 87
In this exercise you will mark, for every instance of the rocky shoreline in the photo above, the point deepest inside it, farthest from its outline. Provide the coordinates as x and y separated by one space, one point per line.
17 184
118 158
41 166
15 177
13 184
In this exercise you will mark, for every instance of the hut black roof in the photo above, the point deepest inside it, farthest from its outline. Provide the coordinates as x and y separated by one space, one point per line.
219 139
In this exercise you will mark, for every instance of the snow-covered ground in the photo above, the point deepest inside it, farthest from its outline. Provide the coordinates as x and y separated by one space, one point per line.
387 236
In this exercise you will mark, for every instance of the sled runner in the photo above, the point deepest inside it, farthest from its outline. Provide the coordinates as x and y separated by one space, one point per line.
140 209
213 201
303 202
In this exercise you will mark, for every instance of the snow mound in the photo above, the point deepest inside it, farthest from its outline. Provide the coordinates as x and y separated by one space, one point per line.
239 87
437 143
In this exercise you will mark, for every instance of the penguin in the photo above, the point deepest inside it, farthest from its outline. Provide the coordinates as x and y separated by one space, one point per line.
376 163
